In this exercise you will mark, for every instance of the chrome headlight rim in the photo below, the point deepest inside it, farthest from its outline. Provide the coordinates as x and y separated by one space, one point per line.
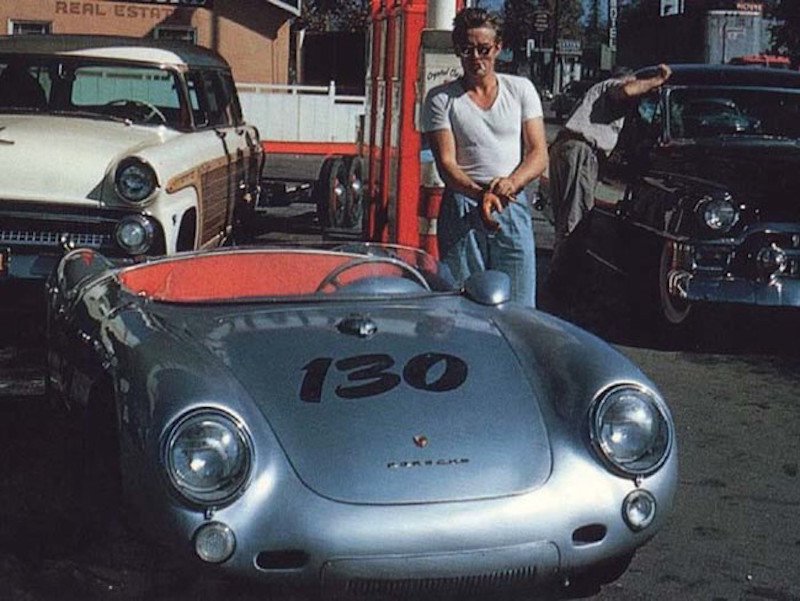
220 496
147 176
663 445
148 229
717 213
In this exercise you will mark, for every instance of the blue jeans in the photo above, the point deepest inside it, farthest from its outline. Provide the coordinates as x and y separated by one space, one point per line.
466 246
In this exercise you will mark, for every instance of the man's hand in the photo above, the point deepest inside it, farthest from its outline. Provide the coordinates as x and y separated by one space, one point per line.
491 202
503 187
664 72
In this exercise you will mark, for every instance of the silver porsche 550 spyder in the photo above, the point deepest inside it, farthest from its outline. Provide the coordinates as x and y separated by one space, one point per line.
349 421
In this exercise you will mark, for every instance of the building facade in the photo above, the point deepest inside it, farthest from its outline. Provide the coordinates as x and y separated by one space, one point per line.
252 35
709 31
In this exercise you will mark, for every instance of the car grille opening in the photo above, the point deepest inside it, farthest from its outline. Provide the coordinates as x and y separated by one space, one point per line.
290 559
54 238
587 535
497 581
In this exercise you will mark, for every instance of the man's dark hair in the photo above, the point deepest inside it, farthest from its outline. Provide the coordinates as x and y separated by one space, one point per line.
473 18
622 71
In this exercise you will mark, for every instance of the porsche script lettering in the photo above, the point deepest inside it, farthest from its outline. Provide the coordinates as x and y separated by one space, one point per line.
393 465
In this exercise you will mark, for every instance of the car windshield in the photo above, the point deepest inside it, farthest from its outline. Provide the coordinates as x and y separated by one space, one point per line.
362 270
86 87
714 111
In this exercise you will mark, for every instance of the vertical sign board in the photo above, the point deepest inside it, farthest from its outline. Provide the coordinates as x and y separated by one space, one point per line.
613 11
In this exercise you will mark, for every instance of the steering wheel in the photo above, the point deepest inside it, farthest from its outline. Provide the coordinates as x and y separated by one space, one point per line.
151 109
332 279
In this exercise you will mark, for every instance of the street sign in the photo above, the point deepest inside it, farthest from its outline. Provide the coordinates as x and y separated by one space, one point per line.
567 46
755 7
541 21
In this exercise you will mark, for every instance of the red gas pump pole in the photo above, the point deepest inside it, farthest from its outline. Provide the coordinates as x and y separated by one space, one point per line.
396 208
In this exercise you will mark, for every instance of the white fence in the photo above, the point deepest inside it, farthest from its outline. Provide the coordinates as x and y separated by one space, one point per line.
302 113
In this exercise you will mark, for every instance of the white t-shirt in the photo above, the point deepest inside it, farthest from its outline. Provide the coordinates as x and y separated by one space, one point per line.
488 142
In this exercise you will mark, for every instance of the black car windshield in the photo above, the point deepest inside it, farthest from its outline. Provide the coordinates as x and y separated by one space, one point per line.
714 111
86 87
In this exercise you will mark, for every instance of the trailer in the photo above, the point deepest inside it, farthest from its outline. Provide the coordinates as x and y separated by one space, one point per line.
362 159
312 141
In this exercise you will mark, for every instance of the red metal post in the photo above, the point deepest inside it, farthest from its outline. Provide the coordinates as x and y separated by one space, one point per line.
378 24
408 172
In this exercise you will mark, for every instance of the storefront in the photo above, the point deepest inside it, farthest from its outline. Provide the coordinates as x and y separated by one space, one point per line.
252 35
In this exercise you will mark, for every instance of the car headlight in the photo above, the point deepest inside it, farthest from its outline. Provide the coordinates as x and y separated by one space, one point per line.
631 430
718 213
135 180
208 457
135 234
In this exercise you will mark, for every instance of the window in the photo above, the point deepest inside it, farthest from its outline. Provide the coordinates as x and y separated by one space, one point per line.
28 27
185 34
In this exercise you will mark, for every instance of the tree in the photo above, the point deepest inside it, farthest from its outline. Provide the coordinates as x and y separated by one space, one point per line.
786 35
333 15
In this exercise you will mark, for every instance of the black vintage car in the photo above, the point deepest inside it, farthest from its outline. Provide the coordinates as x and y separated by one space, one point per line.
700 201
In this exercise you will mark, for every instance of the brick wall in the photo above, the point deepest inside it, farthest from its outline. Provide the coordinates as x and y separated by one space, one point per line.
252 35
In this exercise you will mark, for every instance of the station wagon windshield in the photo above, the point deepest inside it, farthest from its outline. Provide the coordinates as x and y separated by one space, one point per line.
87 87
715 111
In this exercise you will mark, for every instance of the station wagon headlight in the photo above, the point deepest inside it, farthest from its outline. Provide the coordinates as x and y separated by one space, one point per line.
208 457
631 430
718 213
135 234
135 180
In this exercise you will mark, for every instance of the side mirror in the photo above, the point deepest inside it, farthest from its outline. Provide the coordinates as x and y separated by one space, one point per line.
488 287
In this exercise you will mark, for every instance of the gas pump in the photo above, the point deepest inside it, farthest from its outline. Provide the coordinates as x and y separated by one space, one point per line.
411 52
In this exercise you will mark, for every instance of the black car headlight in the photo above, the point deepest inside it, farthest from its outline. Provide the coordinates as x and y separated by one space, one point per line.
631 430
135 180
718 213
208 457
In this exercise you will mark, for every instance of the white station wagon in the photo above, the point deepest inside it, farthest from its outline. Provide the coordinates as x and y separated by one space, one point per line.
129 146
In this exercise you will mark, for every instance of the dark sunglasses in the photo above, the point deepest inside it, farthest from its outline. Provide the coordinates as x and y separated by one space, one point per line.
467 51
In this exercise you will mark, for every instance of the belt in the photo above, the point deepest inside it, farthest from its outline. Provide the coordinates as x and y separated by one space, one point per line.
567 134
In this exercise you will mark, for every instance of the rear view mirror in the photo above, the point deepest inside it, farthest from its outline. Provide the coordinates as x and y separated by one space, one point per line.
488 287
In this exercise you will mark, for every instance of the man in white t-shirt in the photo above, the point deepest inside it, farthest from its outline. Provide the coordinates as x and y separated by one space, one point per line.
486 131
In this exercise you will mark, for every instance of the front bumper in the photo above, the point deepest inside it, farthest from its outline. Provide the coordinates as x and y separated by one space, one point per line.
761 267
774 293
33 237
288 535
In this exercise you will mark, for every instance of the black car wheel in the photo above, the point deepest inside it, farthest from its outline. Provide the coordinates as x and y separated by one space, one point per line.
354 198
674 311
331 193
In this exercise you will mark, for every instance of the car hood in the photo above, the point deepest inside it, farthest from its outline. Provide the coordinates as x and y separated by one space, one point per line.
434 406
764 172
50 158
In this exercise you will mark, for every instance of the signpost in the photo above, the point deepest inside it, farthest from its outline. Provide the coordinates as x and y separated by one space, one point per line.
613 12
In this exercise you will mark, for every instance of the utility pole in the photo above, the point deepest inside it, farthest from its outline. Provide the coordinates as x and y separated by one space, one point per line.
555 46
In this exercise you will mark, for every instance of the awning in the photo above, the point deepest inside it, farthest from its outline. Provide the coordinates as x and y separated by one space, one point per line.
293 6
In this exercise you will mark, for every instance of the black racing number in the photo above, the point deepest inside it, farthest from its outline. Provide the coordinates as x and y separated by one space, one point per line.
367 367
371 375
316 370
419 368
